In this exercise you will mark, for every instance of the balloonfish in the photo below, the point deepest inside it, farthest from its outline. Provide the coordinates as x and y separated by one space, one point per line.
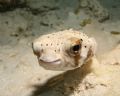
64 50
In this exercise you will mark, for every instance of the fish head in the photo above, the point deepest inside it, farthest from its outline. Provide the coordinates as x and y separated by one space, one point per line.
63 52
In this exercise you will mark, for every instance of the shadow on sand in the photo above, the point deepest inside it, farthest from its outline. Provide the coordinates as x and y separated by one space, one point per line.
59 83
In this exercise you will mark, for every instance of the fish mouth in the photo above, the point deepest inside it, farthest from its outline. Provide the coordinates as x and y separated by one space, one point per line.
58 61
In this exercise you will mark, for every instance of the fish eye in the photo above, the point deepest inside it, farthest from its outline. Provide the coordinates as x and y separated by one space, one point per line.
75 48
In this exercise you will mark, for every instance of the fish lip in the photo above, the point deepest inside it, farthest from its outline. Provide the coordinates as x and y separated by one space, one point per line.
57 61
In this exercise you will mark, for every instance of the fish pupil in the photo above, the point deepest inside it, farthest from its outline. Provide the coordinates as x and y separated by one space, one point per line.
76 48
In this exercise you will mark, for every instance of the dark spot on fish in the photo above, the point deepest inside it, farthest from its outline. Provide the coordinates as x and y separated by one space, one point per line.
81 39
46 44
85 46
103 85
116 63
41 44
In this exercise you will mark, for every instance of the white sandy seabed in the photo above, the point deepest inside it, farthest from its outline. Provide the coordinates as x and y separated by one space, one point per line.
20 74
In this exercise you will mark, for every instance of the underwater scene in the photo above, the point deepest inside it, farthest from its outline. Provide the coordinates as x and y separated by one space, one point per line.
59 47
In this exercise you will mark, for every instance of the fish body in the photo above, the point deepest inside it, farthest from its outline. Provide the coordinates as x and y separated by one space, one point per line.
64 50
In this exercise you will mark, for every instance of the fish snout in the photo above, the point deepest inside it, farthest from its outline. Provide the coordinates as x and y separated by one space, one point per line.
36 49
49 59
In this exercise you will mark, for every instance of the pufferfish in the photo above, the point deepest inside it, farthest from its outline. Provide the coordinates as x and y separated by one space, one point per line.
64 50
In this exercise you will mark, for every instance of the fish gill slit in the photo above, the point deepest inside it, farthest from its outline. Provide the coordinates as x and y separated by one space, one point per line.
81 39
